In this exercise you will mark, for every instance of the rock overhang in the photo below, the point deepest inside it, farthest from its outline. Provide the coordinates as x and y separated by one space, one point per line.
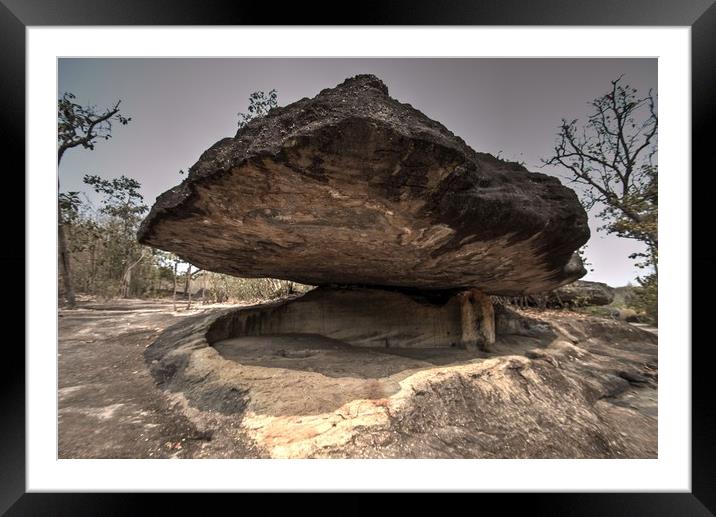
354 187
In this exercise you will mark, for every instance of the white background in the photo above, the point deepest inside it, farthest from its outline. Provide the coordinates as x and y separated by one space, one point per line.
671 471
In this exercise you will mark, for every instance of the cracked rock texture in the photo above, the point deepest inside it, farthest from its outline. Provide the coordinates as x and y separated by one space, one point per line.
354 187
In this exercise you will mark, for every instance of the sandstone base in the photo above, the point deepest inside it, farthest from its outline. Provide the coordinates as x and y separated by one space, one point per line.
554 384
376 318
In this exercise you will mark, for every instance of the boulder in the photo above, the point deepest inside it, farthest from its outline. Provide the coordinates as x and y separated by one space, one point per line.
628 315
354 187
583 293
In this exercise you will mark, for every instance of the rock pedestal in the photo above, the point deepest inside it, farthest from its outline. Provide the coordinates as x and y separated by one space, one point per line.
352 187
477 320
376 318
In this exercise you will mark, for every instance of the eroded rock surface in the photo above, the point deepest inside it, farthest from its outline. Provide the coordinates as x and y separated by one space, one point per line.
354 187
555 385
582 293
378 318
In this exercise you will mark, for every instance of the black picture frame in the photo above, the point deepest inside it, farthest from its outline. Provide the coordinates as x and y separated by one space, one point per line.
700 15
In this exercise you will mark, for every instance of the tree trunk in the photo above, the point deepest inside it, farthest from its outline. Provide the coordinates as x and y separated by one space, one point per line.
65 265
127 282
203 288
63 250
186 280
93 268
187 287
174 295
127 277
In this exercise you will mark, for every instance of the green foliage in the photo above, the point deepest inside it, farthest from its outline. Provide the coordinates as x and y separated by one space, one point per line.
70 205
259 105
106 258
79 126
121 197
645 298
105 255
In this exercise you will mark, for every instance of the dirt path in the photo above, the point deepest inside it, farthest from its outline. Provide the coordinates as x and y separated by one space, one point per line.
109 405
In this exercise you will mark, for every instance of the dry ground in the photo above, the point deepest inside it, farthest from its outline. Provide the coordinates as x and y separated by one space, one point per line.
307 396
109 404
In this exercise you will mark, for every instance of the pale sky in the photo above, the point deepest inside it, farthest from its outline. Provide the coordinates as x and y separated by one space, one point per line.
180 107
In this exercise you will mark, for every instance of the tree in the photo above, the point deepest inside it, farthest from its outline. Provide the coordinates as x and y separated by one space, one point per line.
612 157
82 234
190 275
79 126
124 207
259 105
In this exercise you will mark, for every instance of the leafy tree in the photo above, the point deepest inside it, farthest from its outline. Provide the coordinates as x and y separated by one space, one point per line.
108 261
70 205
612 156
121 197
124 207
78 126
259 105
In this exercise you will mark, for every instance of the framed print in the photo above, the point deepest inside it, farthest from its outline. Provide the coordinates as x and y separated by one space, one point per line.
413 251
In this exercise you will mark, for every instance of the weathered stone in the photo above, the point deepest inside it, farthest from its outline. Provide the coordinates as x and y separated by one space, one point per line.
582 293
629 315
555 385
377 318
354 187
477 320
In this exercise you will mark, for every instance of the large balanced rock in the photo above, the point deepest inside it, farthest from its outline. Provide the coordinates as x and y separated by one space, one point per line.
354 187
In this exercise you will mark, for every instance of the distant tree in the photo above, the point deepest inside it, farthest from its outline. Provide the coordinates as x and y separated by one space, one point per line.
644 297
79 126
612 156
124 206
260 104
